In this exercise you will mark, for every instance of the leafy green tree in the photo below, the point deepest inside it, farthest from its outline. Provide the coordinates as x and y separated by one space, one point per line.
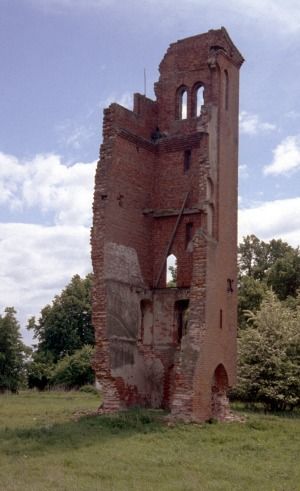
65 325
269 356
284 275
75 370
39 371
12 352
256 256
252 254
251 292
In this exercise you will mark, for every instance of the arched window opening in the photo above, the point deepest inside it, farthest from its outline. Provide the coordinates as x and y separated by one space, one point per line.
199 100
182 98
226 89
181 315
183 114
171 271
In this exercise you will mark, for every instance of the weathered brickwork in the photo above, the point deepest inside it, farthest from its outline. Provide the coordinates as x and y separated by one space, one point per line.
166 183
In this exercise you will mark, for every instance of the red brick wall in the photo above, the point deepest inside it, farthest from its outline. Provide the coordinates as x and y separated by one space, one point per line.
140 187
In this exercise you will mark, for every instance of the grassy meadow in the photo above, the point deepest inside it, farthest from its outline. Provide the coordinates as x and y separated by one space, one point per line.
43 447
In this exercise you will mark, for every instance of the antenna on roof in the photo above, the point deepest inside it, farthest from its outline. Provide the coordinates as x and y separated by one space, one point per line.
145 82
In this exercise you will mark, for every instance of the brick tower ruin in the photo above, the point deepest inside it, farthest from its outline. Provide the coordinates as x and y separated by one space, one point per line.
166 183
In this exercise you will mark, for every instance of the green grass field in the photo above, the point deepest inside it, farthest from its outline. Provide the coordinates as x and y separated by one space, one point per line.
43 448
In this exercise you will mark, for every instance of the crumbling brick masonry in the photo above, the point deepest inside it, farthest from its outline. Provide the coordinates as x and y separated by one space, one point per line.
166 183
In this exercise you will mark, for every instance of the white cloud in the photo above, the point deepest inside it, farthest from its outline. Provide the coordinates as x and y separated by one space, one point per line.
250 124
44 183
272 219
36 262
286 157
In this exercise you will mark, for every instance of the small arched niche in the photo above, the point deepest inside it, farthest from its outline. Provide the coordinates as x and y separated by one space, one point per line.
171 271
181 103
219 400
197 99
220 378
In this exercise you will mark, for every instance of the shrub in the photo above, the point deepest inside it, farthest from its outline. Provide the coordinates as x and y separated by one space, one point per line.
75 370
89 389
269 356
39 375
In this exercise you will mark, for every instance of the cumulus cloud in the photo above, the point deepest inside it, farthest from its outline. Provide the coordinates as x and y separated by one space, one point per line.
272 219
286 157
250 124
36 262
46 184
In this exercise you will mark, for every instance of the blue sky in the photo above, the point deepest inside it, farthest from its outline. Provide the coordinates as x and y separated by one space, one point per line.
63 61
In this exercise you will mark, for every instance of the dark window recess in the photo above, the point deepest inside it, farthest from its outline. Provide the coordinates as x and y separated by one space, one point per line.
221 318
188 233
187 160
181 312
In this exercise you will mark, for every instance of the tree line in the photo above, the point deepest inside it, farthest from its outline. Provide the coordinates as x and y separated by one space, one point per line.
64 341
268 335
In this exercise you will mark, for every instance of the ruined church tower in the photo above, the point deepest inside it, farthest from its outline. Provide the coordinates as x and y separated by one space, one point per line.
166 183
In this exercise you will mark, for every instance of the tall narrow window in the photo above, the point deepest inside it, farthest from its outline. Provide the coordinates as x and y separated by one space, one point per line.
226 90
199 100
221 319
181 313
171 271
188 233
183 104
187 160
